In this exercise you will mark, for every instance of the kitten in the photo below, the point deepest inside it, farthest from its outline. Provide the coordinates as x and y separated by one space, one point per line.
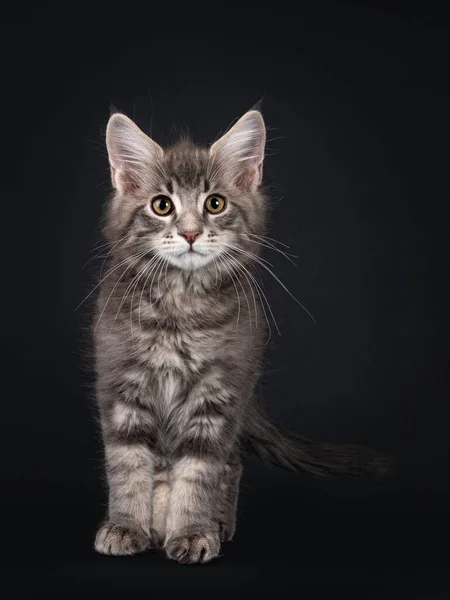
179 337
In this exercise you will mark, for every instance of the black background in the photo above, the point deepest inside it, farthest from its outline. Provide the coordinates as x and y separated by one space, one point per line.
356 100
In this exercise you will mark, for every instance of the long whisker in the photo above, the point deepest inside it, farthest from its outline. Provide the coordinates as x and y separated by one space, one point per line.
152 268
241 272
140 274
153 264
251 255
128 259
151 283
266 237
102 247
244 272
262 264
214 261
98 250
262 298
164 259
237 293
268 244
135 262
124 241
115 246
247 301
165 274
128 289
271 247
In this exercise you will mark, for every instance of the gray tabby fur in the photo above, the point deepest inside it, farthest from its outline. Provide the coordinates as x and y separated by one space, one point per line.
179 337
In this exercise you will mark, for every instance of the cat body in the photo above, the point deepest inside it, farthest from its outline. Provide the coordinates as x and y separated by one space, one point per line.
180 329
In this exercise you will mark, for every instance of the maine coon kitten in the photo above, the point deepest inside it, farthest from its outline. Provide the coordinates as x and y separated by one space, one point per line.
179 335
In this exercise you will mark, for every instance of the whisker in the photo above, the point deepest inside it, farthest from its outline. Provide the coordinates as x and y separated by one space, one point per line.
248 303
165 273
251 255
262 296
151 284
103 248
100 246
262 263
115 286
271 247
266 237
129 258
237 293
153 264
126 238
217 271
140 274
245 294
159 282
124 297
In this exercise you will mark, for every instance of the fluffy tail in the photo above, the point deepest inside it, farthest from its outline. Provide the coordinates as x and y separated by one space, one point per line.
276 446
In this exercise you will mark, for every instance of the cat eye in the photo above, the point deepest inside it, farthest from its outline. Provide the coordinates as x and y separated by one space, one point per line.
162 205
215 204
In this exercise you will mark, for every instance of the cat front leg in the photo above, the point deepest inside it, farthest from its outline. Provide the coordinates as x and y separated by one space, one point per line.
130 464
207 429
192 529
127 528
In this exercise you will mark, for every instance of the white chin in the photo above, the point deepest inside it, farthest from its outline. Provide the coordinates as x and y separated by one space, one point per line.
190 261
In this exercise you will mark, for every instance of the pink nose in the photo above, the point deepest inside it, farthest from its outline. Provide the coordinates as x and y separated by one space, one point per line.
190 236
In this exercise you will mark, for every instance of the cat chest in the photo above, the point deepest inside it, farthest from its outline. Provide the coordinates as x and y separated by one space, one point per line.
171 365
169 388
185 353
174 362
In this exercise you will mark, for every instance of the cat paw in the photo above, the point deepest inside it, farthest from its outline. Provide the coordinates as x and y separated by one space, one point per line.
120 540
195 548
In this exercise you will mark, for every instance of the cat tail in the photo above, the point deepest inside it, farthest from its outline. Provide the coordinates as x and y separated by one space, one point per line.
274 445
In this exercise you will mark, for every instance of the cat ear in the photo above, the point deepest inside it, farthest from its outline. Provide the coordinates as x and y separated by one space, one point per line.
131 154
240 152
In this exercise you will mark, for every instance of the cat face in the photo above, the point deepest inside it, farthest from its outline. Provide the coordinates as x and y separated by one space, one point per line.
189 206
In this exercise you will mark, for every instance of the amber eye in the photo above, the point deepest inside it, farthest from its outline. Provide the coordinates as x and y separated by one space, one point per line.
215 204
162 205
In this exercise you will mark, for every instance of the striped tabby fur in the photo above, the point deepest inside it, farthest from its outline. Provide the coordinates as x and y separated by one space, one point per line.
179 337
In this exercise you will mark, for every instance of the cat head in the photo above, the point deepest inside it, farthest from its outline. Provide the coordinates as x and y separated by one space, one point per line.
192 206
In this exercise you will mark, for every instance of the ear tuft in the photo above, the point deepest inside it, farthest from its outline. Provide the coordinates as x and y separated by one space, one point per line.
113 109
240 152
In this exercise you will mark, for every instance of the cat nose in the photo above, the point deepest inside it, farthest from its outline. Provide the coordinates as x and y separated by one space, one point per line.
190 236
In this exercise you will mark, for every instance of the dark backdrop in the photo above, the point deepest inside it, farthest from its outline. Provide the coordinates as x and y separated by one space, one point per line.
357 103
